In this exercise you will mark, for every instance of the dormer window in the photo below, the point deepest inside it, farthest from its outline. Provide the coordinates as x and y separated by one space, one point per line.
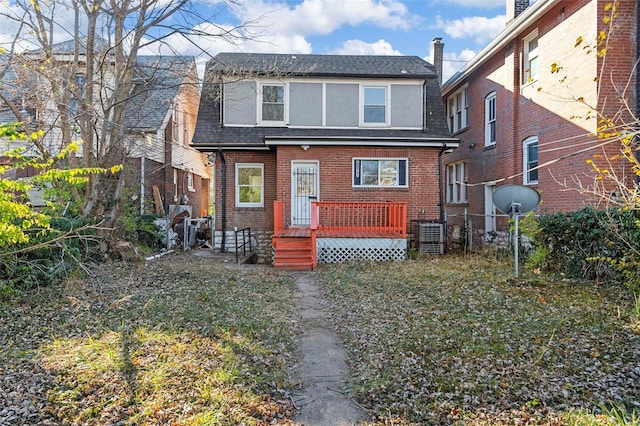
374 106
272 104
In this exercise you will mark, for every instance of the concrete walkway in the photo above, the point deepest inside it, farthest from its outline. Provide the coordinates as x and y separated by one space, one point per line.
324 370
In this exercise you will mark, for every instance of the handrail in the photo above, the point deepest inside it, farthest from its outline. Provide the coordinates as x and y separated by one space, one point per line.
367 218
244 243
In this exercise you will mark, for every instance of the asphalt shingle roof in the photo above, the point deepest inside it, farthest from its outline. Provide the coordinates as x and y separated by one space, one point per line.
210 133
323 65
157 81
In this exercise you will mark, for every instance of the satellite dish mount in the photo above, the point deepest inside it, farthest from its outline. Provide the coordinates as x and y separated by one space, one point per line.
515 200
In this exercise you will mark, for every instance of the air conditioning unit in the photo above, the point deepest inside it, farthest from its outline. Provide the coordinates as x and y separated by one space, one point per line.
429 237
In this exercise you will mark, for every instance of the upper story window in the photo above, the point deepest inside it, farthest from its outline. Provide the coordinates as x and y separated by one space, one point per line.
530 160
490 119
458 110
380 172
374 105
457 182
77 94
176 124
249 185
531 63
272 103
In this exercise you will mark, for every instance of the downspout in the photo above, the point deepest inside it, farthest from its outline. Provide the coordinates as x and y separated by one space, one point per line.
440 184
224 200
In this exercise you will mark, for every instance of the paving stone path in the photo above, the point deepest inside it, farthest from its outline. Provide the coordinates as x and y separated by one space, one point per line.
324 371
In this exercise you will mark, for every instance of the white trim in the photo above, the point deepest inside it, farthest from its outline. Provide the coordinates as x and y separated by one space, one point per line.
455 107
342 141
379 159
237 188
528 76
316 164
387 105
490 106
511 31
457 176
525 160
285 104
489 210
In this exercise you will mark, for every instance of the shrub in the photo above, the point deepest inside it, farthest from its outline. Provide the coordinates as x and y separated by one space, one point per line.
599 245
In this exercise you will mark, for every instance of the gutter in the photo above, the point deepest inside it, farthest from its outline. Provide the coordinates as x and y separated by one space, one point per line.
440 183
524 20
223 244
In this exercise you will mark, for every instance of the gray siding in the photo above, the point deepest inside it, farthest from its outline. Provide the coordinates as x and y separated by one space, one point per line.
305 104
240 103
406 105
343 103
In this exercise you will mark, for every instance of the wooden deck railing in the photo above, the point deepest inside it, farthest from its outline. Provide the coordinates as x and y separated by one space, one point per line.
359 218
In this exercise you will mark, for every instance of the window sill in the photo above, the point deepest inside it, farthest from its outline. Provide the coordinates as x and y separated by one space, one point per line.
379 188
456 132
489 147
249 208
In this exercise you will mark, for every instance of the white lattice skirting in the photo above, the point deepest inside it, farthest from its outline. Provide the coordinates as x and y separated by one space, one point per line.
336 250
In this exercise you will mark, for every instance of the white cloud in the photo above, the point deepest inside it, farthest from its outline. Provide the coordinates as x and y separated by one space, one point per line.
359 47
481 4
452 61
478 28
313 17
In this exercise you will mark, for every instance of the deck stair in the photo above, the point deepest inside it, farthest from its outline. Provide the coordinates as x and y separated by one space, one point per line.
293 253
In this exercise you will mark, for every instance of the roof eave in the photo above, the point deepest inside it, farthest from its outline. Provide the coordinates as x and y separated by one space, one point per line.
526 18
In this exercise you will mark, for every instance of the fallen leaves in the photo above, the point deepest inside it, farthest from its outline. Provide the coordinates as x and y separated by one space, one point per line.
435 342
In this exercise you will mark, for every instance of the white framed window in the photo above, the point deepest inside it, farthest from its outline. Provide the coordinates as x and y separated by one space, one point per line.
175 185
457 182
458 110
490 119
381 172
249 185
190 186
530 160
176 125
530 58
374 110
272 103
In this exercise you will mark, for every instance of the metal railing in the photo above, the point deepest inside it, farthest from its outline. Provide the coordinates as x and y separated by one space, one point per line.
245 232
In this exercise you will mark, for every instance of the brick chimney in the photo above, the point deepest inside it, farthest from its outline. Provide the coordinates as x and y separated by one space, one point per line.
515 8
438 48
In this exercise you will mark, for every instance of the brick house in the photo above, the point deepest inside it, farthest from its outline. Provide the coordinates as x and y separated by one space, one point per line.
523 110
347 149
159 122
161 118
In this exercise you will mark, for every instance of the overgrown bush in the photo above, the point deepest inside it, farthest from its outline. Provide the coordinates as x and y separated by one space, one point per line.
48 258
599 245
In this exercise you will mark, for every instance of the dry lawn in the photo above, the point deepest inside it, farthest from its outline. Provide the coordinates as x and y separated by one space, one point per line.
182 340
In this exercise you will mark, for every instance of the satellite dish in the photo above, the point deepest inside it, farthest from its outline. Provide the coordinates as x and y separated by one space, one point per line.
515 200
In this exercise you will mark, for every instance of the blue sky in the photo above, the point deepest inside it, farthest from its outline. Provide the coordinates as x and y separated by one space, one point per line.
382 27
388 27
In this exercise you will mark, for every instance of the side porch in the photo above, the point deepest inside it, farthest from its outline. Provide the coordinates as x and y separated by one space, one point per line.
340 232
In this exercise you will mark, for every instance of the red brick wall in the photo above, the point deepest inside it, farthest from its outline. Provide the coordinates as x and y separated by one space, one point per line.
540 110
257 218
335 169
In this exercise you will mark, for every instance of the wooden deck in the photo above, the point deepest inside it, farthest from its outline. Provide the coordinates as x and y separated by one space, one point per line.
301 232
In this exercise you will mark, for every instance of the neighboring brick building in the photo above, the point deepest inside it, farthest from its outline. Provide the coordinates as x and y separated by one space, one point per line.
288 130
523 109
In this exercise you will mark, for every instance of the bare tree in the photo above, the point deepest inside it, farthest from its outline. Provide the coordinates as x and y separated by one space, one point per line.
79 75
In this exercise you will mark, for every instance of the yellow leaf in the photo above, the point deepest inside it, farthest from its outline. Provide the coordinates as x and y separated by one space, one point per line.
579 41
